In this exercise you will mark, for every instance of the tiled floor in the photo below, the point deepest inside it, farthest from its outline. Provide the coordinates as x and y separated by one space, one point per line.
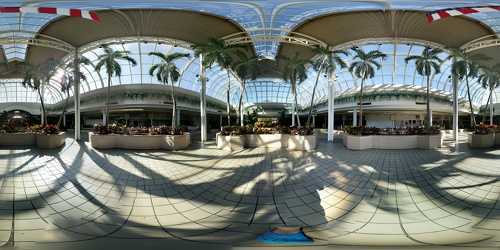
77 197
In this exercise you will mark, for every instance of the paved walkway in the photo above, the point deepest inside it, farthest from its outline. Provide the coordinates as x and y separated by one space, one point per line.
77 197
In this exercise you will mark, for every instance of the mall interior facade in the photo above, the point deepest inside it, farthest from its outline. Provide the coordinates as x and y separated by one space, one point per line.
395 96
77 196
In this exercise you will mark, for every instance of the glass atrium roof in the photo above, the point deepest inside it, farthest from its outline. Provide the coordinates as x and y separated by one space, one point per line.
264 19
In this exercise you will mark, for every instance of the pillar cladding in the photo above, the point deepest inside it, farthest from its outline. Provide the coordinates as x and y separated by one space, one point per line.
355 117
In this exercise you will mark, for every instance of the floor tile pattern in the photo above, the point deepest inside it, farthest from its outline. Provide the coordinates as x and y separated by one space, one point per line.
81 197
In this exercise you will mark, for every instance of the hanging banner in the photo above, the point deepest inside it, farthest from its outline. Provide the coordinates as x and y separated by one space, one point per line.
439 14
47 10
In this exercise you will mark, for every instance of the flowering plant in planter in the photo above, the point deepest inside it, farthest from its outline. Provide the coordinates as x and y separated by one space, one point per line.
50 129
164 130
14 126
365 130
35 128
233 130
484 129
100 129
304 130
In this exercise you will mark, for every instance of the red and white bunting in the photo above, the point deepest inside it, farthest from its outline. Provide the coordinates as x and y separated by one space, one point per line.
438 14
49 10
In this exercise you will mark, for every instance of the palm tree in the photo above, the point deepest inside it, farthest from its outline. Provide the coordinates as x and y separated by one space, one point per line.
167 71
109 61
426 63
363 67
36 75
295 71
326 62
466 66
220 52
490 80
246 67
68 80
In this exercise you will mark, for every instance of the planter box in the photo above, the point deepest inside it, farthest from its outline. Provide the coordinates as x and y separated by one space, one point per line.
17 139
103 141
430 141
497 139
230 142
171 142
137 141
481 141
266 140
174 142
239 142
50 141
356 142
303 142
394 141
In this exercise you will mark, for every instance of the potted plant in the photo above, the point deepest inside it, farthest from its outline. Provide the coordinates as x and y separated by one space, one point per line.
302 138
497 133
50 137
482 137
231 138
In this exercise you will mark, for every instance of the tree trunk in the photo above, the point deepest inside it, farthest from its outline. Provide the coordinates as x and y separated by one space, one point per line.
106 122
361 101
428 125
486 108
63 111
313 92
294 90
238 119
228 99
174 107
45 122
472 118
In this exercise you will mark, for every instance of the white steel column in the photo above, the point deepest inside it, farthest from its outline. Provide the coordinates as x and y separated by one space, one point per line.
178 118
430 117
355 117
242 123
331 106
104 117
455 104
42 111
491 107
203 101
76 94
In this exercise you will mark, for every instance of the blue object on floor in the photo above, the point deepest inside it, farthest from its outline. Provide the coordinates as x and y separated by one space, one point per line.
288 238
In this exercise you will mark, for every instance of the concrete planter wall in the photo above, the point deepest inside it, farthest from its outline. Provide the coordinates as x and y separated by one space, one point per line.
497 139
50 141
228 142
17 139
481 141
171 142
240 142
33 139
266 140
430 141
356 142
303 142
